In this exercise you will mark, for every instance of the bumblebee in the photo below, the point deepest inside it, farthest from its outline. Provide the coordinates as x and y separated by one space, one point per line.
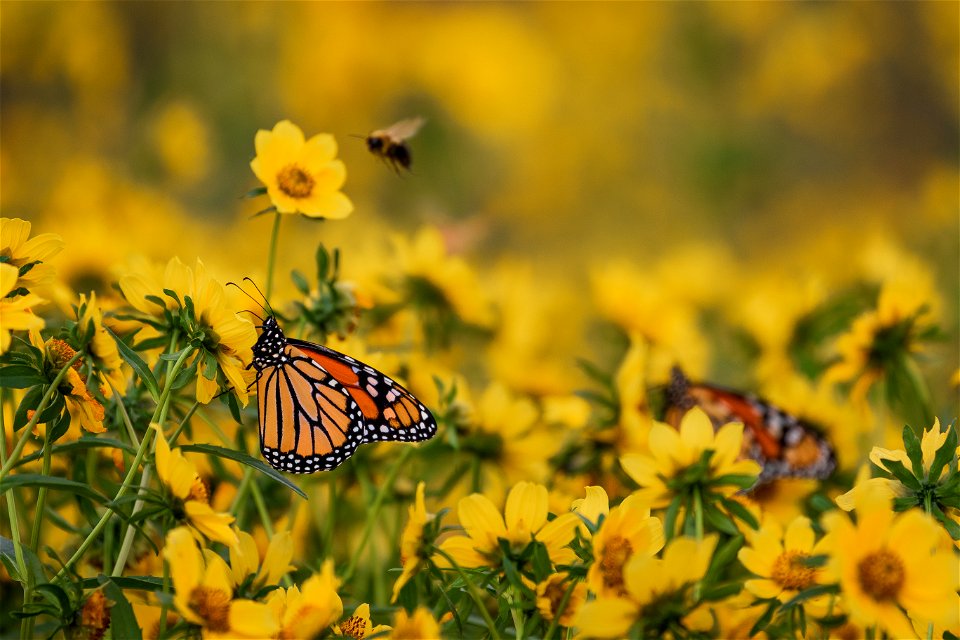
390 143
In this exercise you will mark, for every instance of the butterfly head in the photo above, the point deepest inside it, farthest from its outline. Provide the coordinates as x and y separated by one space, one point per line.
268 351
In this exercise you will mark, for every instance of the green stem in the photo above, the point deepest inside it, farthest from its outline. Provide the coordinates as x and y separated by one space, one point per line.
698 513
272 256
518 623
473 591
42 494
125 485
28 429
241 491
375 510
183 423
561 607
26 628
126 416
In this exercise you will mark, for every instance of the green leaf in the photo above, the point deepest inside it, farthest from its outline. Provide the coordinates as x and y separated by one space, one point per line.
721 591
812 592
57 596
764 620
35 571
907 479
741 512
133 359
53 409
300 282
946 453
912 446
20 376
263 211
952 527
123 623
243 458
254 193
719 521
133 583
86 442
744 481
51 482
59 429
185 376
723 556
670 517
230 400
29 403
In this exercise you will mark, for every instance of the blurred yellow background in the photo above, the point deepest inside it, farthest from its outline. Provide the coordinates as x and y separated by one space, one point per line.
722 147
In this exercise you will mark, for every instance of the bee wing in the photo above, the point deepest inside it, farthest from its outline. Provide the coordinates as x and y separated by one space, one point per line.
400 131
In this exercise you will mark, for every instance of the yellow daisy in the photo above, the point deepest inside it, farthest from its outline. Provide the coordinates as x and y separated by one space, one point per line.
245 559
411 541
779 559
19 250
891 566
15 312
102 348
420 625
305 612
359 625
551 593
524 520
180 476
302 176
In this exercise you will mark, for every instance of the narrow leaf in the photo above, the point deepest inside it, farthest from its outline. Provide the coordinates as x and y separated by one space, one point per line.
243 458
132 358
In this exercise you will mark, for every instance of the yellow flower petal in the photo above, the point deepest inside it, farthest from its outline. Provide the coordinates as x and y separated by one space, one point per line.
253 619
215 526
481 521
799 535
606 618
763 588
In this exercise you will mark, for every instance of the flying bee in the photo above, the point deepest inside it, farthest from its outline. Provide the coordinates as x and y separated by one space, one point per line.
390 144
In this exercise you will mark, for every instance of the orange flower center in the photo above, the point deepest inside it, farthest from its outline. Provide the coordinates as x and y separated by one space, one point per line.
95 616
881 575
615 554
213 605
354 627
790 571
295 182
60 353
198 491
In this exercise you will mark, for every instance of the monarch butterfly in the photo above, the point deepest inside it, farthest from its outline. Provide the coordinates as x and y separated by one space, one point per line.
318 405
784 445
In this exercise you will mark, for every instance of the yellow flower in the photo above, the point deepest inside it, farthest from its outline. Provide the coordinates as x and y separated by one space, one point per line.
224 338
180 476
650 583
596 504
780 559
148 619
83 407
672 452
305 613
411 541
302 176
245 559
102 348
524 520
627 531
891 567
203 591
419 626
552 591
19 250
439 280
15 313
358 625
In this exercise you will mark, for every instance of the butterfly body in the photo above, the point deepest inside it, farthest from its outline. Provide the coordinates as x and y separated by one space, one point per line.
318 405
784 445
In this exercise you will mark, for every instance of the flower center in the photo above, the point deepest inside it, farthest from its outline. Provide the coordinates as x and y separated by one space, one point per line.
353 627
615 554
60 353
790 571
295 182
198 491
95 616
881 575
213 605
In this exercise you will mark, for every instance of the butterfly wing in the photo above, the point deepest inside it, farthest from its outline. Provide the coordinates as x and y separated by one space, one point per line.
389 412
784 445
308 421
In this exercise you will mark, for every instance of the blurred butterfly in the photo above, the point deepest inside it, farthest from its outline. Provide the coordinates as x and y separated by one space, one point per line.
318 405
784 445
390 143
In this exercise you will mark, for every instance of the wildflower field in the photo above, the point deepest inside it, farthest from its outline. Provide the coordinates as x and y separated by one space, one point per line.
646 325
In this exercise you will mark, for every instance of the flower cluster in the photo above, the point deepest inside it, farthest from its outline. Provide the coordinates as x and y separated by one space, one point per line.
617 499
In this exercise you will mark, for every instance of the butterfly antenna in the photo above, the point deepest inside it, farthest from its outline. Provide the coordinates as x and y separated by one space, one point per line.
246 293
268 308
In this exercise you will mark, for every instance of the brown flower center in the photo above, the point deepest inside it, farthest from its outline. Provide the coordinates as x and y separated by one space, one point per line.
213 605
199 491
95 616
354 627
60 353
881 575
615 554
790 571
295 182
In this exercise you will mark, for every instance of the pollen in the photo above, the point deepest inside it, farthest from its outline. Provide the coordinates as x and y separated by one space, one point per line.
199 491
60 353
881 575
295 182
95 616
615 554
353 627
790 571
213 605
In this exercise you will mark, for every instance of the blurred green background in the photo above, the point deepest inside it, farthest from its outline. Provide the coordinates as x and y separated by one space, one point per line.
784 137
